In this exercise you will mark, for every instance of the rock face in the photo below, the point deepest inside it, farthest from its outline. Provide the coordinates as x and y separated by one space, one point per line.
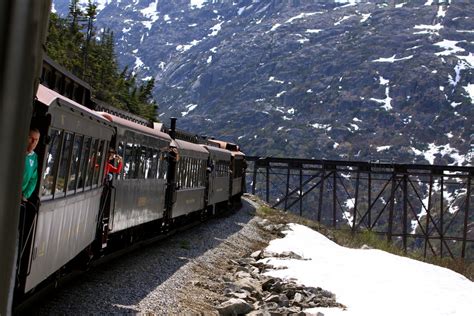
309 78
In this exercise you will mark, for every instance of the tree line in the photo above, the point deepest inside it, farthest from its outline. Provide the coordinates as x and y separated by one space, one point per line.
74 43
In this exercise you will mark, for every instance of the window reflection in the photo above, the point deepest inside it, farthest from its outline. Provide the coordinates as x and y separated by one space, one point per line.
49 173
76 156
64 165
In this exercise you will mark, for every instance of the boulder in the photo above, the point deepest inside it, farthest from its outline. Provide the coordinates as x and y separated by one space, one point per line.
234 306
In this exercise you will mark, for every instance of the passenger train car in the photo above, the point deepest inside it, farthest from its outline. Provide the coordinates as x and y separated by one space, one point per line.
78 213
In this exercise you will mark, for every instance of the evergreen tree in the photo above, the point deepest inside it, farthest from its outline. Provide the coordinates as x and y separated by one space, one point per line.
90 14
72 43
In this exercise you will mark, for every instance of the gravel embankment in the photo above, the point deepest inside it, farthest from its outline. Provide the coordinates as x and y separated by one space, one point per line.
162 278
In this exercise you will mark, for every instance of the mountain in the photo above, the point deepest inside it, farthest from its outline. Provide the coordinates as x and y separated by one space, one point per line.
379 80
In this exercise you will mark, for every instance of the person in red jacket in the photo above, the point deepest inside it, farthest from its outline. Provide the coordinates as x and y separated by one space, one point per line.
114 164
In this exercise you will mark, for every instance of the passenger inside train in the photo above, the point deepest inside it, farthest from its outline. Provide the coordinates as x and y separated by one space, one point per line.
114 164
30 173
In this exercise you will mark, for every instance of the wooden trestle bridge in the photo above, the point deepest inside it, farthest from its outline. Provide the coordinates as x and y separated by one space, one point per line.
425 208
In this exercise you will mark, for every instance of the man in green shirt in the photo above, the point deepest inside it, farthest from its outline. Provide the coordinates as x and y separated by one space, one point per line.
30 175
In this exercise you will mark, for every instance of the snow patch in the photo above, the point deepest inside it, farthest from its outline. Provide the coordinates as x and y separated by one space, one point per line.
449 46
302 16
383 148
391 59
428 29
189 108
215 29
197 4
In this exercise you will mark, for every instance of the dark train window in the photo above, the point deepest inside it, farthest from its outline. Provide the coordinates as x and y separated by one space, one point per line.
47 185
128 167
92 162
203 173
136 162
238 168
221 168
194 173
155 159
120 151
150 169
178 172
103 161
190 172
98 163
142 155
181 166
83 165
64 165
162 166
68 87
76 157
187 172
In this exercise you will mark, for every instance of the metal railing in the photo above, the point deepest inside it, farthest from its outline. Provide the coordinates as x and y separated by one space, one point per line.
425 208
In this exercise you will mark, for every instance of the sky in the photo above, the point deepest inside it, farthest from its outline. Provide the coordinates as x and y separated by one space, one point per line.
370 282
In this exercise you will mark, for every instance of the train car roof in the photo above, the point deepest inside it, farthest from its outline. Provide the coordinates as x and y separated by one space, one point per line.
237 154
135 126
218 152
48 96
190 149
225 145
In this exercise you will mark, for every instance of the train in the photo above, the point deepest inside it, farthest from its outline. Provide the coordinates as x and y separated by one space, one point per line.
79 213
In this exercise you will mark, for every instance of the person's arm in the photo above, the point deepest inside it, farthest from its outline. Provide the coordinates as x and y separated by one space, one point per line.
117 169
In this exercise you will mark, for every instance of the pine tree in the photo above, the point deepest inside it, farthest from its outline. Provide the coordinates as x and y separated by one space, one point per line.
90 14
72 43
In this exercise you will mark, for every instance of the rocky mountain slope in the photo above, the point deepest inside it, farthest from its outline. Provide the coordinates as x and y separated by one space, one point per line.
359 80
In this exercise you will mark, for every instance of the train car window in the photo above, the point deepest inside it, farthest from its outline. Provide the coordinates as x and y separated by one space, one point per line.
129 162
180 172
222 168
61 179
47 185
139 162
163 166
83 164
136 161
149 164
143 162
75 160
177 173
203 172
98 168
238 168
194 172
197 171
190 172
103 162
153 174
92 162
186 170
121 152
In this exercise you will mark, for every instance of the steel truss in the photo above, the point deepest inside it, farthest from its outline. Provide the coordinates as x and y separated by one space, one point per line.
423 208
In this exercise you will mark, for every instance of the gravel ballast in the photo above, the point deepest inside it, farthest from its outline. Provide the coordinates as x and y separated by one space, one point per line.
180 274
